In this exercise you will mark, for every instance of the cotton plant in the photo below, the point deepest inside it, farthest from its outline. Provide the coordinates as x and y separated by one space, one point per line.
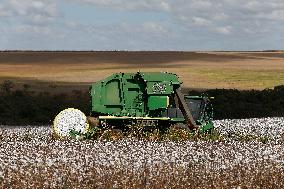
38 160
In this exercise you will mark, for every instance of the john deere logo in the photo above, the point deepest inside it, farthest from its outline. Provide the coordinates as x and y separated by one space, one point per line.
159 88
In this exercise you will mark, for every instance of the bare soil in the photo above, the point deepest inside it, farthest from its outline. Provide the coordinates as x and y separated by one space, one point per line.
199 70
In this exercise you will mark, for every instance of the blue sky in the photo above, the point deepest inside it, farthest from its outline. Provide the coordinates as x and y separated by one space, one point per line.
141 25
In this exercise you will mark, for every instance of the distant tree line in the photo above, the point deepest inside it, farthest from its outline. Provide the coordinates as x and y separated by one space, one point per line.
236 104
24 107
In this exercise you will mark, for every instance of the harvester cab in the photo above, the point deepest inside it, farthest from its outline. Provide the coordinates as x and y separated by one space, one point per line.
147 99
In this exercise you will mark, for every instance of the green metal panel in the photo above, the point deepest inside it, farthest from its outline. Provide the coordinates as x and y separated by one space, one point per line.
112 93
158 102
206 126
160 83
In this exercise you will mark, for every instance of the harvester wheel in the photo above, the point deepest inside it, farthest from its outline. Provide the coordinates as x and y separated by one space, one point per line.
93 121
180 126
112 134
179 132
69 122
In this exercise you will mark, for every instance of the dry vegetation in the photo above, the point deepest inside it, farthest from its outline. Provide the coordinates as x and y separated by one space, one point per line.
199 70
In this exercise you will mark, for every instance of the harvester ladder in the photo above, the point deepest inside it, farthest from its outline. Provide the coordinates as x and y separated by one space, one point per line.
185 110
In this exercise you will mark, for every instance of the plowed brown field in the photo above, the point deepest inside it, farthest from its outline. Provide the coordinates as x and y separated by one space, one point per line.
199 70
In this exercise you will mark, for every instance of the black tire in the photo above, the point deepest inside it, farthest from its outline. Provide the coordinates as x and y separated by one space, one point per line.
112 134
180 126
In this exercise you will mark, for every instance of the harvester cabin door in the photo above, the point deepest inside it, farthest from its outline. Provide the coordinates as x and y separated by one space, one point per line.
134 98
112 96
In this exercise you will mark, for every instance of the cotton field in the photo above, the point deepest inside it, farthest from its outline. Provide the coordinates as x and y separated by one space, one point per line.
250 155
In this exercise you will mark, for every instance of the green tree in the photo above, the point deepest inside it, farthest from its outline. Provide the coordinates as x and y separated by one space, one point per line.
26 87
7 86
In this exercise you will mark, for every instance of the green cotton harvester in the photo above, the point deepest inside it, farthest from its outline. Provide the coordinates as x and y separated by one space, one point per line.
144 99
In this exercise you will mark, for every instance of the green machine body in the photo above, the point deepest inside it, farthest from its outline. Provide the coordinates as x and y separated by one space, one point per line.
150 98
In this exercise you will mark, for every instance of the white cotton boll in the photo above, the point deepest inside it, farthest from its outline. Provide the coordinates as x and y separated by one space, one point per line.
271 128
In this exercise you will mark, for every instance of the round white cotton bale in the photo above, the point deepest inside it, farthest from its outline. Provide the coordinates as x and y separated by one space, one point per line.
68 120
